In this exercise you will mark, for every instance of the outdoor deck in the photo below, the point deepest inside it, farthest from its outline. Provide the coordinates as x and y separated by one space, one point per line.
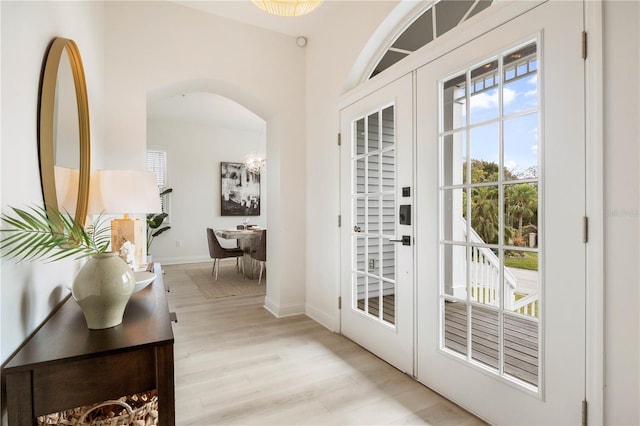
388 307
520 334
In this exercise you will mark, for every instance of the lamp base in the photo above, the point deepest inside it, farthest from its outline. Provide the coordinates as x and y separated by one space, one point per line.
126 229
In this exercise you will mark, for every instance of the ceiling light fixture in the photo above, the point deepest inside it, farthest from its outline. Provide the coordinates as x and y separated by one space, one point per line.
256 162
287 7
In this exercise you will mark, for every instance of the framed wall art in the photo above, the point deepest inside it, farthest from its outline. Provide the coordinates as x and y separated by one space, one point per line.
240 190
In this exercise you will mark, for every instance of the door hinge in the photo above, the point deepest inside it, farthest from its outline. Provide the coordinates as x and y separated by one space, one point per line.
340 302
584 413
584 45
339 139
339 220
585 229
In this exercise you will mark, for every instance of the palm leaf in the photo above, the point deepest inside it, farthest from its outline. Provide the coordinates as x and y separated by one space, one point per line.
50 235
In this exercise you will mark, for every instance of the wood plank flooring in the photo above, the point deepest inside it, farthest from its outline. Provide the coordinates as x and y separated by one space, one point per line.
388 307
237 364
520 340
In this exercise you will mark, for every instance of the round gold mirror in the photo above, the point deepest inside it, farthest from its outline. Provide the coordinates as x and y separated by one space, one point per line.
63 132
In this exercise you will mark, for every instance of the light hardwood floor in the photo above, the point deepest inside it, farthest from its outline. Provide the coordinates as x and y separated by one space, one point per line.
237 364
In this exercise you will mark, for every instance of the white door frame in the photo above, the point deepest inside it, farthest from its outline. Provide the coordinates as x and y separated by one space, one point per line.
595 212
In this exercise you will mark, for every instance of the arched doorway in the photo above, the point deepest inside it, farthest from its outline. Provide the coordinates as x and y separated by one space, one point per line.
267 128
197 133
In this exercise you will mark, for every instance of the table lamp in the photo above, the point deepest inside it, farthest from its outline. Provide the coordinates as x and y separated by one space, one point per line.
66 188
127 192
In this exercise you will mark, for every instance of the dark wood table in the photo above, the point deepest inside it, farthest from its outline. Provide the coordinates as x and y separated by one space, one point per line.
65 365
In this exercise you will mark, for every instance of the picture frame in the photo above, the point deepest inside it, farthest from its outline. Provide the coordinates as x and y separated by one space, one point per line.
239 190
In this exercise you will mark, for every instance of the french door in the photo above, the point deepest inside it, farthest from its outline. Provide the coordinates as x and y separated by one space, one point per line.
377 236
500 204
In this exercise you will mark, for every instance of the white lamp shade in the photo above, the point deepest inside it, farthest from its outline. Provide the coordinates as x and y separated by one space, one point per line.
66 188
124 191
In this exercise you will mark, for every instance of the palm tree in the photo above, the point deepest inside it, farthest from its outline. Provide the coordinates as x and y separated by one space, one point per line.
521 201
484 213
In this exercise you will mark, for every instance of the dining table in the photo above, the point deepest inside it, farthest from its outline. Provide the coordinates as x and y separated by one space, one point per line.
248 239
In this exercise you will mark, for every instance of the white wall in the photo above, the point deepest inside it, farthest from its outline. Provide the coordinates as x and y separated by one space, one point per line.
330 57
156 46
193 167
622 211
28 291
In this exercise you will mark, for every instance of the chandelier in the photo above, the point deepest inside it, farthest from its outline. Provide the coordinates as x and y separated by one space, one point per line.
287 7
255 162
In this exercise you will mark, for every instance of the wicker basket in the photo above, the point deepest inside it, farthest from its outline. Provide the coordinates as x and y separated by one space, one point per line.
139 409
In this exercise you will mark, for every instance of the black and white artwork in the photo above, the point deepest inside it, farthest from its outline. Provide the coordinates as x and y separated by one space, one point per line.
240 190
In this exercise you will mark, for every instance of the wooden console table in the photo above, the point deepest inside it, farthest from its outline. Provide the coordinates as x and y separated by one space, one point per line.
66 365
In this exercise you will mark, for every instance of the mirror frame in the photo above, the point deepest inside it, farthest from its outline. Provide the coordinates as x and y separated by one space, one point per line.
46 136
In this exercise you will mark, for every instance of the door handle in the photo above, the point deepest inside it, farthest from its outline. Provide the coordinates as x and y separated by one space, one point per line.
406 240
357 229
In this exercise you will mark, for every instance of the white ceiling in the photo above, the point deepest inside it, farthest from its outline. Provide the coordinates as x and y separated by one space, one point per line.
244 11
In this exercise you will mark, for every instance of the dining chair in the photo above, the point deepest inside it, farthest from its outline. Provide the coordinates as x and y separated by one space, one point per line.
260 253
217 252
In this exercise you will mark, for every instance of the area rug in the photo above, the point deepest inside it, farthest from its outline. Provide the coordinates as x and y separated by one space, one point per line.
229 283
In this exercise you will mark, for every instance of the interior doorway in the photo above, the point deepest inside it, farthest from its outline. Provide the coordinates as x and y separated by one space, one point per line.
201 133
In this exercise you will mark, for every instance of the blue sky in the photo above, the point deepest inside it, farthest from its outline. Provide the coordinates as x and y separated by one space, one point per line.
520 132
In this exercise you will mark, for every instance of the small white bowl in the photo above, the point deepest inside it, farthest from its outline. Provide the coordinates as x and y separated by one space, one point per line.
143 279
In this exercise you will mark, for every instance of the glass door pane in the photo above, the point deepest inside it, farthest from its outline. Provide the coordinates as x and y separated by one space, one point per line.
489 206
374 201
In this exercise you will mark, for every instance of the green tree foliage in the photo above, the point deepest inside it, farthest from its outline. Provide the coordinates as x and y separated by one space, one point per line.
484 213
520 203
486 171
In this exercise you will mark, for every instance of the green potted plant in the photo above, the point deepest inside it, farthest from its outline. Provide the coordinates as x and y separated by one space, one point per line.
103 284
156 225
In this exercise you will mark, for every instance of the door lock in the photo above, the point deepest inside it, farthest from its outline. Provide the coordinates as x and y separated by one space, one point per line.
405 214
406 240
357 229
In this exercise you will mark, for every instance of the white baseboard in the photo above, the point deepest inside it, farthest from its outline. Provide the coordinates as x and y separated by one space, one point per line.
282 311
321 317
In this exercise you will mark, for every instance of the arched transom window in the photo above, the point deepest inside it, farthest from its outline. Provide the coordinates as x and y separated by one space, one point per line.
439 18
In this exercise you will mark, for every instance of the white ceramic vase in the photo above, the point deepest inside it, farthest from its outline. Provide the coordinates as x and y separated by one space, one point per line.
102 288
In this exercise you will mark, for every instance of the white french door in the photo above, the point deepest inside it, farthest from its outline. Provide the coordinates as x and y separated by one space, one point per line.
377 267
500 204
